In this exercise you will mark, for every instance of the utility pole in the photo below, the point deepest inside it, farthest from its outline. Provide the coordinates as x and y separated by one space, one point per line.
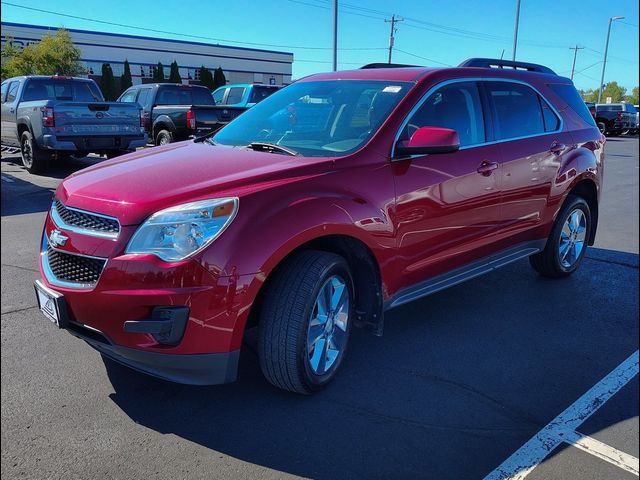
393 22
515 31
575 54
604 64
335 35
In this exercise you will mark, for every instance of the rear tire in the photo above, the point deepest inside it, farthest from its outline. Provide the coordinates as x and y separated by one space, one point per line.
567 242
305 322
164 137
34 159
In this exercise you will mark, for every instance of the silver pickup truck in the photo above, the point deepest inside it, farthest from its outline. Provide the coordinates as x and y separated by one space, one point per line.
49 117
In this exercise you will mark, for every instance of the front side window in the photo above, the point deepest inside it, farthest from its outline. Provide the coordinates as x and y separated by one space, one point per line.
517 110
129 96
13 91
218 95
456 106
317 118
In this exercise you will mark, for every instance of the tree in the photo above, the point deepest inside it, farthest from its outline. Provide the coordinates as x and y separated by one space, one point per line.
108 83
219 79
613 90
633 98
125 79
55 54
206 78
174 74
158 74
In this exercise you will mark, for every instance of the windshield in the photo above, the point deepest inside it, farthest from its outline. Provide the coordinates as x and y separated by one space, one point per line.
325 118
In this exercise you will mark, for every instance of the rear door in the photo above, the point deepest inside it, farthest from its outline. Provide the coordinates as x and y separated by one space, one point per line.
447 205
532 145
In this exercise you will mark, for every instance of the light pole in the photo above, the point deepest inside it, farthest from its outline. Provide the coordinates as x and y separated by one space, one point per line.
515 31
604 63
335 35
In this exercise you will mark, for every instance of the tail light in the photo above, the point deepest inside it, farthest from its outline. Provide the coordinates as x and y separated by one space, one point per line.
592 110
142 118
191 120
48 120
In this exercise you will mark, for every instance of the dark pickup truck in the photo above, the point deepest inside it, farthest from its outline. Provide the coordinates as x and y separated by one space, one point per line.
50 117
616 118
174 112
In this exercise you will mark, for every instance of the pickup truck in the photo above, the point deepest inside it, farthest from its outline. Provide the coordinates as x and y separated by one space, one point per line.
242 95
54 117
615 118
174 111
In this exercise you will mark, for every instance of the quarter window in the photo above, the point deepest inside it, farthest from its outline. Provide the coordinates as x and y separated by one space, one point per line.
235 95
5 86
456 106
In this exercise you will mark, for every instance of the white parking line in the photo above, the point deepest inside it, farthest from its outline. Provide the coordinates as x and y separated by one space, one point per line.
562 428
603 451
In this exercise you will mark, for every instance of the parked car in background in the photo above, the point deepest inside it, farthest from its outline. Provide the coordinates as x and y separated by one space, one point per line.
393 184
615 118
243 95
174 112
53 116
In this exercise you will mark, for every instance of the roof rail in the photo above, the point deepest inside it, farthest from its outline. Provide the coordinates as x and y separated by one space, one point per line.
499 63
386 65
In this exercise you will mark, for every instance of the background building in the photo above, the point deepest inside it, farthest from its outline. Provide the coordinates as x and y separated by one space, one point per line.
240 65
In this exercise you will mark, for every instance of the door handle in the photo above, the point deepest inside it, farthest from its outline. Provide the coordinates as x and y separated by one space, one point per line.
557 148
486 168
12 110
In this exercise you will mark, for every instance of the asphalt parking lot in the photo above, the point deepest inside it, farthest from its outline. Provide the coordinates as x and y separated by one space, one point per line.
455 389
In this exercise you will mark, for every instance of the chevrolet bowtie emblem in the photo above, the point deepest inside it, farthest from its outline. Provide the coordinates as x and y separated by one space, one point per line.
57 239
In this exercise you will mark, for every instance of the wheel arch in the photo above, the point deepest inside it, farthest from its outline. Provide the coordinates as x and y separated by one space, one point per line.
586 188
364 269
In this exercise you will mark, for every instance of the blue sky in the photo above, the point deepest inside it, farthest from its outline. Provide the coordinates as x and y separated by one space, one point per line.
433 33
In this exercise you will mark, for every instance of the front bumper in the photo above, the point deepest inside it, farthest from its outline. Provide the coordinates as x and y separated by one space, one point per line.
94 143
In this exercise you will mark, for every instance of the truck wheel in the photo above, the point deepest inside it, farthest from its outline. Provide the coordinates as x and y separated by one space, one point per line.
305 322
33 158
602 127
163 137
567 242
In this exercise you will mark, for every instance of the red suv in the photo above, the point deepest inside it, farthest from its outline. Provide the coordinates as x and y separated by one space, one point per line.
335 199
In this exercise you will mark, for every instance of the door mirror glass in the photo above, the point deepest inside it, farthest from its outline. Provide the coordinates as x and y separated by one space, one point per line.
428 140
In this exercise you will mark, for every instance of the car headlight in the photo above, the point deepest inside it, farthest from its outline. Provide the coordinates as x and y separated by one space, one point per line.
177 232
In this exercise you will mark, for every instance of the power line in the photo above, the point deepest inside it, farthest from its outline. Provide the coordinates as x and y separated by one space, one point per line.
201 37
423 58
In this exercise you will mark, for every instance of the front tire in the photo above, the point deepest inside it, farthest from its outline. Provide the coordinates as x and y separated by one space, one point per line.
306 321
567 242
33 158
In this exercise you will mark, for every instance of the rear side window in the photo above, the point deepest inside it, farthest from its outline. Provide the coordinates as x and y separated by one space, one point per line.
456 106
517 110
5 87
218 95
260 93
570 95
143 96
235 95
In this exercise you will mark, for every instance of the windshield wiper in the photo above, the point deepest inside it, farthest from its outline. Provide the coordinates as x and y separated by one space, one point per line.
271 148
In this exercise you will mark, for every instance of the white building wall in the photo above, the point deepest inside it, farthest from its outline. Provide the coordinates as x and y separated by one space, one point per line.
240 65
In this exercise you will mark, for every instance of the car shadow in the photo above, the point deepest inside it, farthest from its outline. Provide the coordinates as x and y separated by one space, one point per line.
459 381
22 192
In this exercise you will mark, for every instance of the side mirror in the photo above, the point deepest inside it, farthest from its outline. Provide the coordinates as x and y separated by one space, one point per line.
427 140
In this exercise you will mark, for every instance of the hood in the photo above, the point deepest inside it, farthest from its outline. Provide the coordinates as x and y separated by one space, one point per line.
136 185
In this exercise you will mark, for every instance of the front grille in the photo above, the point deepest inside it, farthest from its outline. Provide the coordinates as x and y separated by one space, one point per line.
74 268
87 221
